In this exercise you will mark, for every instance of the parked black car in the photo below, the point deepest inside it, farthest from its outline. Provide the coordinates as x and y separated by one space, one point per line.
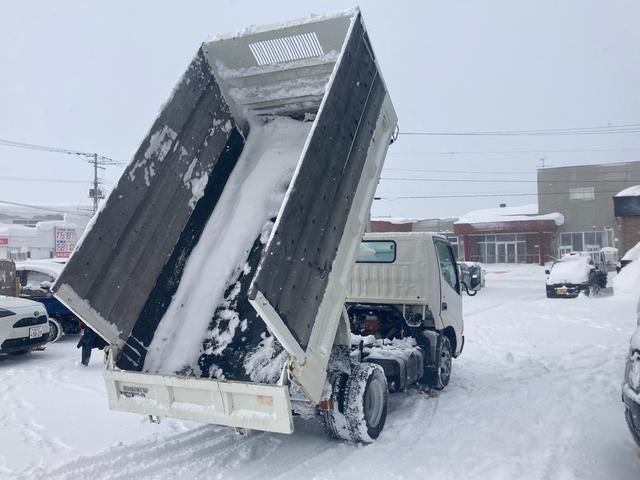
575 272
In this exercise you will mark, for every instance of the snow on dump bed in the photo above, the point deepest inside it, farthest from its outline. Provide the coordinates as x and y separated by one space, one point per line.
252 196
571 269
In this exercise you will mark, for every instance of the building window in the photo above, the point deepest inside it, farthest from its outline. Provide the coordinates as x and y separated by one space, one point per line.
502 248
590 242
582 193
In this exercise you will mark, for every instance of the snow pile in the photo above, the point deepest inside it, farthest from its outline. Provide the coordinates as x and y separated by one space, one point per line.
571 269
253 194
628 280
633 253
630 192
523 213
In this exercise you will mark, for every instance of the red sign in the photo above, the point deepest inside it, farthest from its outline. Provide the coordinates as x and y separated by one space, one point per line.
4 240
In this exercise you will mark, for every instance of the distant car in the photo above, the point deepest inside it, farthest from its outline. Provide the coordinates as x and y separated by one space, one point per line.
631 385
630 256
36 278
575 272
23 325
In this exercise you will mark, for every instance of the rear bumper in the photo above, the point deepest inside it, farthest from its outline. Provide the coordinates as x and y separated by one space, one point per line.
234 404
572 290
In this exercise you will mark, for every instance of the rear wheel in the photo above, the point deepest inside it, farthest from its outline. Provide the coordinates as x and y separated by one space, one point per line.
55 330
357 409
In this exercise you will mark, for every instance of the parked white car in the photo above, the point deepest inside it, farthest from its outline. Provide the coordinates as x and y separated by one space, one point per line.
24 325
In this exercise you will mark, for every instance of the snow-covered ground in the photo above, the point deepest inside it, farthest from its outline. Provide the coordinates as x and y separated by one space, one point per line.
535 395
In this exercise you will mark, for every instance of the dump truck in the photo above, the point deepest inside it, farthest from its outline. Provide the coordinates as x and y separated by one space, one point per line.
217 268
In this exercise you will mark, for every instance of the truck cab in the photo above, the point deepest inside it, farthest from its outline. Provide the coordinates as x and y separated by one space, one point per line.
406 287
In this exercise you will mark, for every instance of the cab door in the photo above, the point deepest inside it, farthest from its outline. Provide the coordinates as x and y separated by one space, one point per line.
450 288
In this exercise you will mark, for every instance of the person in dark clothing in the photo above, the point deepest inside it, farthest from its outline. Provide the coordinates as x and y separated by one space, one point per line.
88 342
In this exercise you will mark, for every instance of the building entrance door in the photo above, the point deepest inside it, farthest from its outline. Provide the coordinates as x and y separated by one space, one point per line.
506 252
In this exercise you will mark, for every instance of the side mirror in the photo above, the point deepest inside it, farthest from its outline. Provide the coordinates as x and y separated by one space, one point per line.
547 271
45 286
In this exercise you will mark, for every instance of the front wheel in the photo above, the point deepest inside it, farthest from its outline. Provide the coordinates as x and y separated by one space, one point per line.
438 376
55 330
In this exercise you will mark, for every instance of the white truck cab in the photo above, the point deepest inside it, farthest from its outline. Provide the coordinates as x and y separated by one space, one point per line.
415 274
405 291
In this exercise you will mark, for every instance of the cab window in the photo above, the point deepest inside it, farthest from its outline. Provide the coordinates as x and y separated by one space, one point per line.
447 263
377 251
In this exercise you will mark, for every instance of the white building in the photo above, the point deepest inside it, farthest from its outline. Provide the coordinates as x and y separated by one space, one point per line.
38 234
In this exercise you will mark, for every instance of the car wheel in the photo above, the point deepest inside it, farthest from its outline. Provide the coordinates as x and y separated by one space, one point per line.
633 428
438 377
55 330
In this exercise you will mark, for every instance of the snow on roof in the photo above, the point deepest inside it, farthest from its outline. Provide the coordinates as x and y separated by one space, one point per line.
49 266
509 214
401 220
630 192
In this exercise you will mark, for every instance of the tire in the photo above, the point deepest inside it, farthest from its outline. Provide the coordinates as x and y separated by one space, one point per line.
55 330
438 376
359 403
332 417
633 428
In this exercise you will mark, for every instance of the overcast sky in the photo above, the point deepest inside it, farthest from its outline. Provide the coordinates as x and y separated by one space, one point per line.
92 76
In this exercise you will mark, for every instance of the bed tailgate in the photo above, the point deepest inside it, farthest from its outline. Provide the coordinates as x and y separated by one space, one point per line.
234 404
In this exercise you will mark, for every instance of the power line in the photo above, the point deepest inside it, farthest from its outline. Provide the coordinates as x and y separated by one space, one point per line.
476 180
473 195
43 180
32 146
514 152
45 209
98 162
602 130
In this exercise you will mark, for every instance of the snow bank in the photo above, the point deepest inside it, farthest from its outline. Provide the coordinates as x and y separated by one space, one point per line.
509 214
253 194
573 269
630 192
628 280
633 253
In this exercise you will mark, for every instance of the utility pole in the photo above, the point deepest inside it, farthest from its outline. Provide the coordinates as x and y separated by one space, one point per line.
96 191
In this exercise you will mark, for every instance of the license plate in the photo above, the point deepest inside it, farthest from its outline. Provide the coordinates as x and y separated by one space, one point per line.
35 332
561 291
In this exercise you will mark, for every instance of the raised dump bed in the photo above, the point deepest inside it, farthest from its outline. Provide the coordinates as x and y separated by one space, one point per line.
220 258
